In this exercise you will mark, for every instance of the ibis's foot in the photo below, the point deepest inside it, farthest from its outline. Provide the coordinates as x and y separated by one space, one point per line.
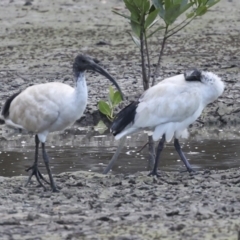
55 189
35 172
154 173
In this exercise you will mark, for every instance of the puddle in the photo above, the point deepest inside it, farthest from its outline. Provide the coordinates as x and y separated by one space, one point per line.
82 150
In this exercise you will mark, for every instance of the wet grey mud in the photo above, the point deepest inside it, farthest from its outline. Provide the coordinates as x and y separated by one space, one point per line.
39 40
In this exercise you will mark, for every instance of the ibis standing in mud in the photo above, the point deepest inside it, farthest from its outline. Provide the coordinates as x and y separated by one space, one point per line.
50 107
167 109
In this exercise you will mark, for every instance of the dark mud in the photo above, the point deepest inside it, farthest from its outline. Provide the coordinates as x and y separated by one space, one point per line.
93 206
38 42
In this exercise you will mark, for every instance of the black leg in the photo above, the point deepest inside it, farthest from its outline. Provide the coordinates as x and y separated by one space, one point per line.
159 150
151 152
34 167
182 156
46 161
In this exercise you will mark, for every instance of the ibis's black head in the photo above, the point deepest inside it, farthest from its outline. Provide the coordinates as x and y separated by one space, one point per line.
193 75
84 62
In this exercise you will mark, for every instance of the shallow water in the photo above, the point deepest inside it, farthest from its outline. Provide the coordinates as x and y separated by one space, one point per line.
80 149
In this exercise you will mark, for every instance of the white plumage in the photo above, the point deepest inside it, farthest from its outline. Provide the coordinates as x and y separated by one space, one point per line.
169 107
50 107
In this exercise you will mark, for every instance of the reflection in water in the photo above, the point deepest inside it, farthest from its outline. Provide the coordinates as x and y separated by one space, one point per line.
80 149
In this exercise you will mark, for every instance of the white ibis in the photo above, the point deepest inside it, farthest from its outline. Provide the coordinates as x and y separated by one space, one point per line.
50 107
167 109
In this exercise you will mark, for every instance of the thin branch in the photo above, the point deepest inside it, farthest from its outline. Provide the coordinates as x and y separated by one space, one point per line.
148 59
168 36
144 74
160 55
178 25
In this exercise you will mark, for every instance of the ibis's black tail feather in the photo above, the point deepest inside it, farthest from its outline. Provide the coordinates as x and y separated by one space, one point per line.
124 117
6 106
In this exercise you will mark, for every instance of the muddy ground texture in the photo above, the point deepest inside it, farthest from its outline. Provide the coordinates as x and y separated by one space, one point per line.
39 40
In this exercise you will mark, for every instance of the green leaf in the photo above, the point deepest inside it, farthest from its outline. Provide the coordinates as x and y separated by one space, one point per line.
138 4
111 94
201 10
159 5
117 98
150 18
190 15
142 6
136 28
100 127
168 4
146 6
104 108
135 39
131 6
171 13
175 9
212 2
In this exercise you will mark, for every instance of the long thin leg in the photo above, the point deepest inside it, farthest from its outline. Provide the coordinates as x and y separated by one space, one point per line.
115 156
46 161
151 152
34 167
159 150
182 156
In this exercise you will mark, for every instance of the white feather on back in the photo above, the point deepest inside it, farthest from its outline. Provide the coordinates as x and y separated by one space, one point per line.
173 104
42 107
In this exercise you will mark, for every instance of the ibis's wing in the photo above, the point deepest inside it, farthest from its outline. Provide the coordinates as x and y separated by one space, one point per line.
167 102
38 107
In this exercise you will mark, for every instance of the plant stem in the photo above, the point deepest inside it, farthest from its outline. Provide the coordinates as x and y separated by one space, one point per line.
148 59
168 36
177 25
160 55
144 74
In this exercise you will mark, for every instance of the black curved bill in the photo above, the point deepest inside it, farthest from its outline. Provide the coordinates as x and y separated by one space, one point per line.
95 67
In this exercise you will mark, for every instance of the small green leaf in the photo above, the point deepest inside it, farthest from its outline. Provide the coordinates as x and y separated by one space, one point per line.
100 127
201 10
159 4
131 6
136 28
150 18
190 15
117 98
212 2
146 6
104 108
171 13
135 39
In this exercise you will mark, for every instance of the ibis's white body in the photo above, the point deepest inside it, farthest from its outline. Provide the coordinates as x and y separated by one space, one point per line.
173 104
48 107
